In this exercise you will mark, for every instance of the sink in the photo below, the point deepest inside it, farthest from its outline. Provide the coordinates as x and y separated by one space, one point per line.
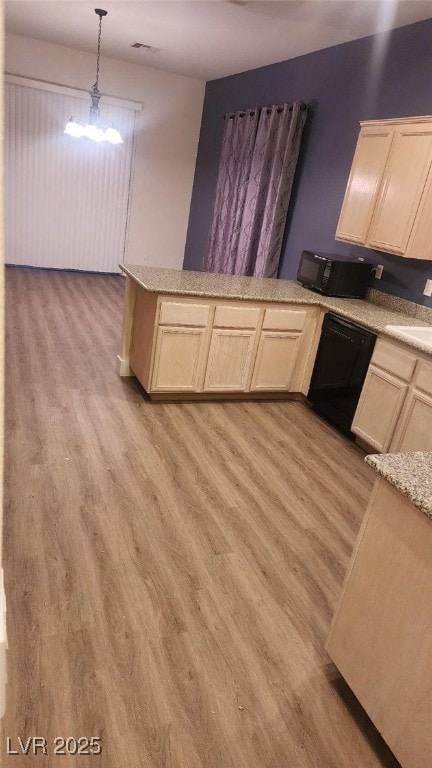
423 334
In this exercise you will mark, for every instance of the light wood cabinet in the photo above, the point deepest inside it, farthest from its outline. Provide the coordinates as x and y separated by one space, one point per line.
232 342
420 242
168 343
394 412
379 407
402 187
278 349
178 359
275 360
183 345
388 200
367 169
229 361
415 429
383 394
180 346
380 639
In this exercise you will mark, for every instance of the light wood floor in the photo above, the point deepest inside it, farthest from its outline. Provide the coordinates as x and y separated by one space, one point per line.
171 569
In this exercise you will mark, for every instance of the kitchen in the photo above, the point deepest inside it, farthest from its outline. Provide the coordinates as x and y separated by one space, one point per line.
238 530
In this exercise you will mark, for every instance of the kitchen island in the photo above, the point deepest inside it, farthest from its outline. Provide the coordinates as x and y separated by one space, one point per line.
197 335
381 637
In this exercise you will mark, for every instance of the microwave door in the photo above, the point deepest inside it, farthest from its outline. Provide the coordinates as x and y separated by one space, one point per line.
310 272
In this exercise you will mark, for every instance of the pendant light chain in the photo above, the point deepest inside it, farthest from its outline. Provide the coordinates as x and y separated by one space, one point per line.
98 53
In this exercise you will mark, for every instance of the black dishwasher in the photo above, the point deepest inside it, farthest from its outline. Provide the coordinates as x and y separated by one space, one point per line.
342 360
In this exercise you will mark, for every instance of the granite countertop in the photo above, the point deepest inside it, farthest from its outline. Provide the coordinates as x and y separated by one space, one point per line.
187 283
410 473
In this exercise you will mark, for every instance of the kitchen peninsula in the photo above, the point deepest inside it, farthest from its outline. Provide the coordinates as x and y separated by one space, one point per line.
380 639
197 335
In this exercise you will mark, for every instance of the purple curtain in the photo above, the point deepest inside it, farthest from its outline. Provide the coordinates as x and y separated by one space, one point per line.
259 155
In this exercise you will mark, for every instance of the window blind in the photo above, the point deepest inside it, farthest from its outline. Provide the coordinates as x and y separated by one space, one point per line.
66 199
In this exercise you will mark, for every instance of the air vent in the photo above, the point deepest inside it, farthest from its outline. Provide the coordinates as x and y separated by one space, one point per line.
149 48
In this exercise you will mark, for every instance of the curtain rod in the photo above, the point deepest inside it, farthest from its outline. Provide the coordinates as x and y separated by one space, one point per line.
267 110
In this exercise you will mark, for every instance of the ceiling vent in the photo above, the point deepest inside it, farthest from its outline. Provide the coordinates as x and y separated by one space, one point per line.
149 48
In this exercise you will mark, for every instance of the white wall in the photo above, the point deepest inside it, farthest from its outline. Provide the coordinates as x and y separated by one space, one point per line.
166 141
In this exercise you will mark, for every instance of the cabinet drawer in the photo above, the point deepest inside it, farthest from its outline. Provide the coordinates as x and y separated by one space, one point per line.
236 317
172 313
424 377
393 359
284 320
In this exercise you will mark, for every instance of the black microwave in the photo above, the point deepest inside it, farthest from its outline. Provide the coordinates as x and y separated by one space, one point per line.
334 275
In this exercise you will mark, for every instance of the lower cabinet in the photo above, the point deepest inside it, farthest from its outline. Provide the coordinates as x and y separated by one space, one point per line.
394 412
379 407
275 360
212 346
415 433
229 360
178 359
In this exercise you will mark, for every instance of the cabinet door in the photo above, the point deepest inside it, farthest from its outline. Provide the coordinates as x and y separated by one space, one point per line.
420 242
402 189
415 433
229 361
379 407
178 359
276 357
367 170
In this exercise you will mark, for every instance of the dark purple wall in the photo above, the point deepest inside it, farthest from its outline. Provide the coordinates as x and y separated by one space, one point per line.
382 76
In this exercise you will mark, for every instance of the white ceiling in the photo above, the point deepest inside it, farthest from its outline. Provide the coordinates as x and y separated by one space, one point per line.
208 39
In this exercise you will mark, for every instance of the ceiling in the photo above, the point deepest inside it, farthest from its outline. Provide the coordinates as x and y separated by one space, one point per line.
208 39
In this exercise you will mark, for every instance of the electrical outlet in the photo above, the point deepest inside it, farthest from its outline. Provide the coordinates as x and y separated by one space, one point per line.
378 271
428 288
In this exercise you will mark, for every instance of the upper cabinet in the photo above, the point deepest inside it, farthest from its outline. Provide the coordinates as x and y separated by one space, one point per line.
388 199
367 170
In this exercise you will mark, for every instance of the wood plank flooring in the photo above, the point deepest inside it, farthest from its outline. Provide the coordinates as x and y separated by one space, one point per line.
171 569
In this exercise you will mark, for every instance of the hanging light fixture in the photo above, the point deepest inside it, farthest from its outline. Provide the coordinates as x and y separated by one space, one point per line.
92 129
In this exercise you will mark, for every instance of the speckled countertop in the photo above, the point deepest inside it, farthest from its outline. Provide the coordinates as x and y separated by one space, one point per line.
186 283
410 473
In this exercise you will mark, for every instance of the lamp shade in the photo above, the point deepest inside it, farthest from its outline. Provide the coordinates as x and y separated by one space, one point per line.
74 128
93 132
112 135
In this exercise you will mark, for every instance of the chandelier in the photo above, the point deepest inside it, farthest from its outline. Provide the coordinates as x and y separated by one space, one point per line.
92 130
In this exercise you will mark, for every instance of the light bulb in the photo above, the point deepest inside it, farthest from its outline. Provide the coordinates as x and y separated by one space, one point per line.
74 128
112 135
93 132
